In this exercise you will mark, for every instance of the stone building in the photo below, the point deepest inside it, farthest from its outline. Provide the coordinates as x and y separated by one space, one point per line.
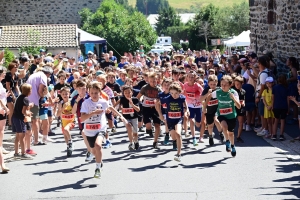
32 12
275 26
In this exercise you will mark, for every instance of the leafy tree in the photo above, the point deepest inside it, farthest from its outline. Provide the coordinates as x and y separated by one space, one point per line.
8 57
148 7
178 33
33 47
204 30
167 18
239 18
123 30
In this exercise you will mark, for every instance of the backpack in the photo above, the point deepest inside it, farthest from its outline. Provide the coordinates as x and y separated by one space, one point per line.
270 73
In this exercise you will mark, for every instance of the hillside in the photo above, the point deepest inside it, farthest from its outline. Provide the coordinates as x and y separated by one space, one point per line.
186 4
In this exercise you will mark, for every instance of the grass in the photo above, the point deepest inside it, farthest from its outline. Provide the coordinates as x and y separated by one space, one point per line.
186 4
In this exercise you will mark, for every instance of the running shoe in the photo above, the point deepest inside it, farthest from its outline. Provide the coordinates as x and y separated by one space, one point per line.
131 147
26 157
222 137
17 156
31 152
69 149
211 141
174 145
227 144
115 123
187 134
239 139
166 141
274 137
89 157
136 145
233 151
258 129
141 129
177 158
97 173
195 143
268 135
107 145
281 137
51 133
155 145
248 128
113 130
201 140
262 133
47 140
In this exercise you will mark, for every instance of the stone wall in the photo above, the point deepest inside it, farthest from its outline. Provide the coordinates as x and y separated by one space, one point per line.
275 26
31 12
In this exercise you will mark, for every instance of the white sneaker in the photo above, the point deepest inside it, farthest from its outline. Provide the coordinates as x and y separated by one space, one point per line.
89 157
187 134
40 136
47 140
263 133
201 140
248 128
258 129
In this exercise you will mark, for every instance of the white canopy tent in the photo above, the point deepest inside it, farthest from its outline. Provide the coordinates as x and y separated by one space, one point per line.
241 40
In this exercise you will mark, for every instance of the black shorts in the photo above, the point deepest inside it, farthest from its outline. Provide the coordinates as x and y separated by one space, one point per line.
109 116
172 125
230 122
18 125
28 126
210 118
280 113
150 114
240 112
2 117
92 140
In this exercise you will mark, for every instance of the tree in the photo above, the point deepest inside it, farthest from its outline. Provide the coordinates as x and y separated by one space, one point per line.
148 7
33 39
167 18
8 57
123 30
204 30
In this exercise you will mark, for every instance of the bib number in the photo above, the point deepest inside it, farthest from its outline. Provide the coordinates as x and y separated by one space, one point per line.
225 111
164 106
174 115
213 102
67 117
149 103
92 126
127 111
191 95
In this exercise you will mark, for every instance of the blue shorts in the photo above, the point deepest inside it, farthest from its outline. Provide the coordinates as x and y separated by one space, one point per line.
249 107
172 125
261 107
195 113
18 125
50 113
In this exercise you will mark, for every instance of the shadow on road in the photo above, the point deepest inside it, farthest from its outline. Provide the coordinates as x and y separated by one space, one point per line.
64 171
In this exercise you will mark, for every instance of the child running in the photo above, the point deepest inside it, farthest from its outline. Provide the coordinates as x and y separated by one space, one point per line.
67 118
130 108
228 99
176 109
95 123
192 91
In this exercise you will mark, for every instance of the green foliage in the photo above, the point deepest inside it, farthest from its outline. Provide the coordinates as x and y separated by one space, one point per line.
33 47
176 45
185 45
124 30
8 57
148 7
178 33
167 18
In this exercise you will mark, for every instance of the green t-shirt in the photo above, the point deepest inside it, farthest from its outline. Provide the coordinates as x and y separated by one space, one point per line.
226 106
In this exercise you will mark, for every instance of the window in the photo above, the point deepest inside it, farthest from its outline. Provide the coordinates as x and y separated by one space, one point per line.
166 40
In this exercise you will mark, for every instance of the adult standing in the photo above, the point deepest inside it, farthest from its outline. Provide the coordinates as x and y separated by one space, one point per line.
38 82
35 63
3 112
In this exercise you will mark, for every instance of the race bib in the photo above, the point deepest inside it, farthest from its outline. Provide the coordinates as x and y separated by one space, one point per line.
225 111
127 111
67 116
174 115
92 126
213 102
197 104
164 106
191 95
149 103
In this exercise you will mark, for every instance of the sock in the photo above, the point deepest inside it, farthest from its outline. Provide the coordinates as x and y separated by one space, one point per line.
70 141
194 138
98 165
45 137
227 140
232 145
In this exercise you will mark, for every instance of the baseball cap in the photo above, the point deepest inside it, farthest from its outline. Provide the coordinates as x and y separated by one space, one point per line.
269 79
90 52
252 55
42 50
63 52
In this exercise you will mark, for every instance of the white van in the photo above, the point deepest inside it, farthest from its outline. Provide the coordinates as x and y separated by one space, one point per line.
164 42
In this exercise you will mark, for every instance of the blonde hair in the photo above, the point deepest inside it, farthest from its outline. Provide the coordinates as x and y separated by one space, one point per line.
26 89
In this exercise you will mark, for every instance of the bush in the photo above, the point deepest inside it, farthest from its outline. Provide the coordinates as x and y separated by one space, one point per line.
176 45
9 56
185 45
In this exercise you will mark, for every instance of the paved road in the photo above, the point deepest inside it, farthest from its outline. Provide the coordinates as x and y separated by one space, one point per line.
259 171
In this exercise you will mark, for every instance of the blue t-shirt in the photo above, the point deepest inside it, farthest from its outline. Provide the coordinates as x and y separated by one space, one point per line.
120 65
280 97
43 109
162 95
120 82
70 79
113 58
249 96
174 111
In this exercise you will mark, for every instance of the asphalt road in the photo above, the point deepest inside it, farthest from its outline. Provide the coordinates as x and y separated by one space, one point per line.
259 171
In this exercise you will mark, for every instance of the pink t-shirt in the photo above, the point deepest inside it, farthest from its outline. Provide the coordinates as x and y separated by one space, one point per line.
192 94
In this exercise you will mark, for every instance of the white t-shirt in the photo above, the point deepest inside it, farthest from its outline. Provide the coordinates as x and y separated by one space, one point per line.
262 76
96 123
3 94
